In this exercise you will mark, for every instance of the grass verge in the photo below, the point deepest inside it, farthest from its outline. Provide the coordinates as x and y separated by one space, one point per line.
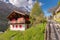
33 33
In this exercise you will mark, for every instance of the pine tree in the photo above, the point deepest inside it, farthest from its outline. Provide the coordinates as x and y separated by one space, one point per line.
36 10
36 13
59 2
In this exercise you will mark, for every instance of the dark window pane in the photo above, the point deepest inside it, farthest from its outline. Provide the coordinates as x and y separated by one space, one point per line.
20 26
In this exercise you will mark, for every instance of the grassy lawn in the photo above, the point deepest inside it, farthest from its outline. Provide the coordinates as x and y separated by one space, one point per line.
33 33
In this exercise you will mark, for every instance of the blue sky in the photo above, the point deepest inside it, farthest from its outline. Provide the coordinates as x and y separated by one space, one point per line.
48 4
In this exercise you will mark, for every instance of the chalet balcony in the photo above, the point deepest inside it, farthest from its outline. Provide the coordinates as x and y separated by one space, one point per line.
9 22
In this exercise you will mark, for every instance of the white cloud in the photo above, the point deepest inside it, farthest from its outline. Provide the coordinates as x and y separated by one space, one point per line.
30 4
11 1
18 3
24 3
40 3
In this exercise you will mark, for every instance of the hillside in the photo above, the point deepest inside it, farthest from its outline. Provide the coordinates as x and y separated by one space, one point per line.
4 11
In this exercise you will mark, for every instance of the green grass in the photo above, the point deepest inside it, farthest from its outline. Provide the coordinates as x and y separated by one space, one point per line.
33 33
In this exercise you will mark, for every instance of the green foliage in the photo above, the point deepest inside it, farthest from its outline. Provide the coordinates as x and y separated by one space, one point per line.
58 2
36 14
34 33
7 35
36 10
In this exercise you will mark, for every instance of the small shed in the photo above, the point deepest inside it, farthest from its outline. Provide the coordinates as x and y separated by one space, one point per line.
18 20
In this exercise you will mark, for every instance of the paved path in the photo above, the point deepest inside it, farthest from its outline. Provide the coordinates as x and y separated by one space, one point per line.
52 31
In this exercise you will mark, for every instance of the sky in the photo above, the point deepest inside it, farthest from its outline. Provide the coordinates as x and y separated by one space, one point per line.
48 4
28 4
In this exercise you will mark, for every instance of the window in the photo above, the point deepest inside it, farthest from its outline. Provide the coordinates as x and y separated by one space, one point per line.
20 26
21 20
13 26
16 26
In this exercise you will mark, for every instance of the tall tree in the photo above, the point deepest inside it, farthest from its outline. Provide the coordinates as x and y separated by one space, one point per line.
58 2
36 10
36 13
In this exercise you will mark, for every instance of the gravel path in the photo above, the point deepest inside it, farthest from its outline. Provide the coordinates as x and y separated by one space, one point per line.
52 31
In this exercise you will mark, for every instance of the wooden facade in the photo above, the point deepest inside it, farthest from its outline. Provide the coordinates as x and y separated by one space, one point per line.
18 20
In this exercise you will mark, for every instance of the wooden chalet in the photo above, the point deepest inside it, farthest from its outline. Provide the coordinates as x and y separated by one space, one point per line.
18 20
